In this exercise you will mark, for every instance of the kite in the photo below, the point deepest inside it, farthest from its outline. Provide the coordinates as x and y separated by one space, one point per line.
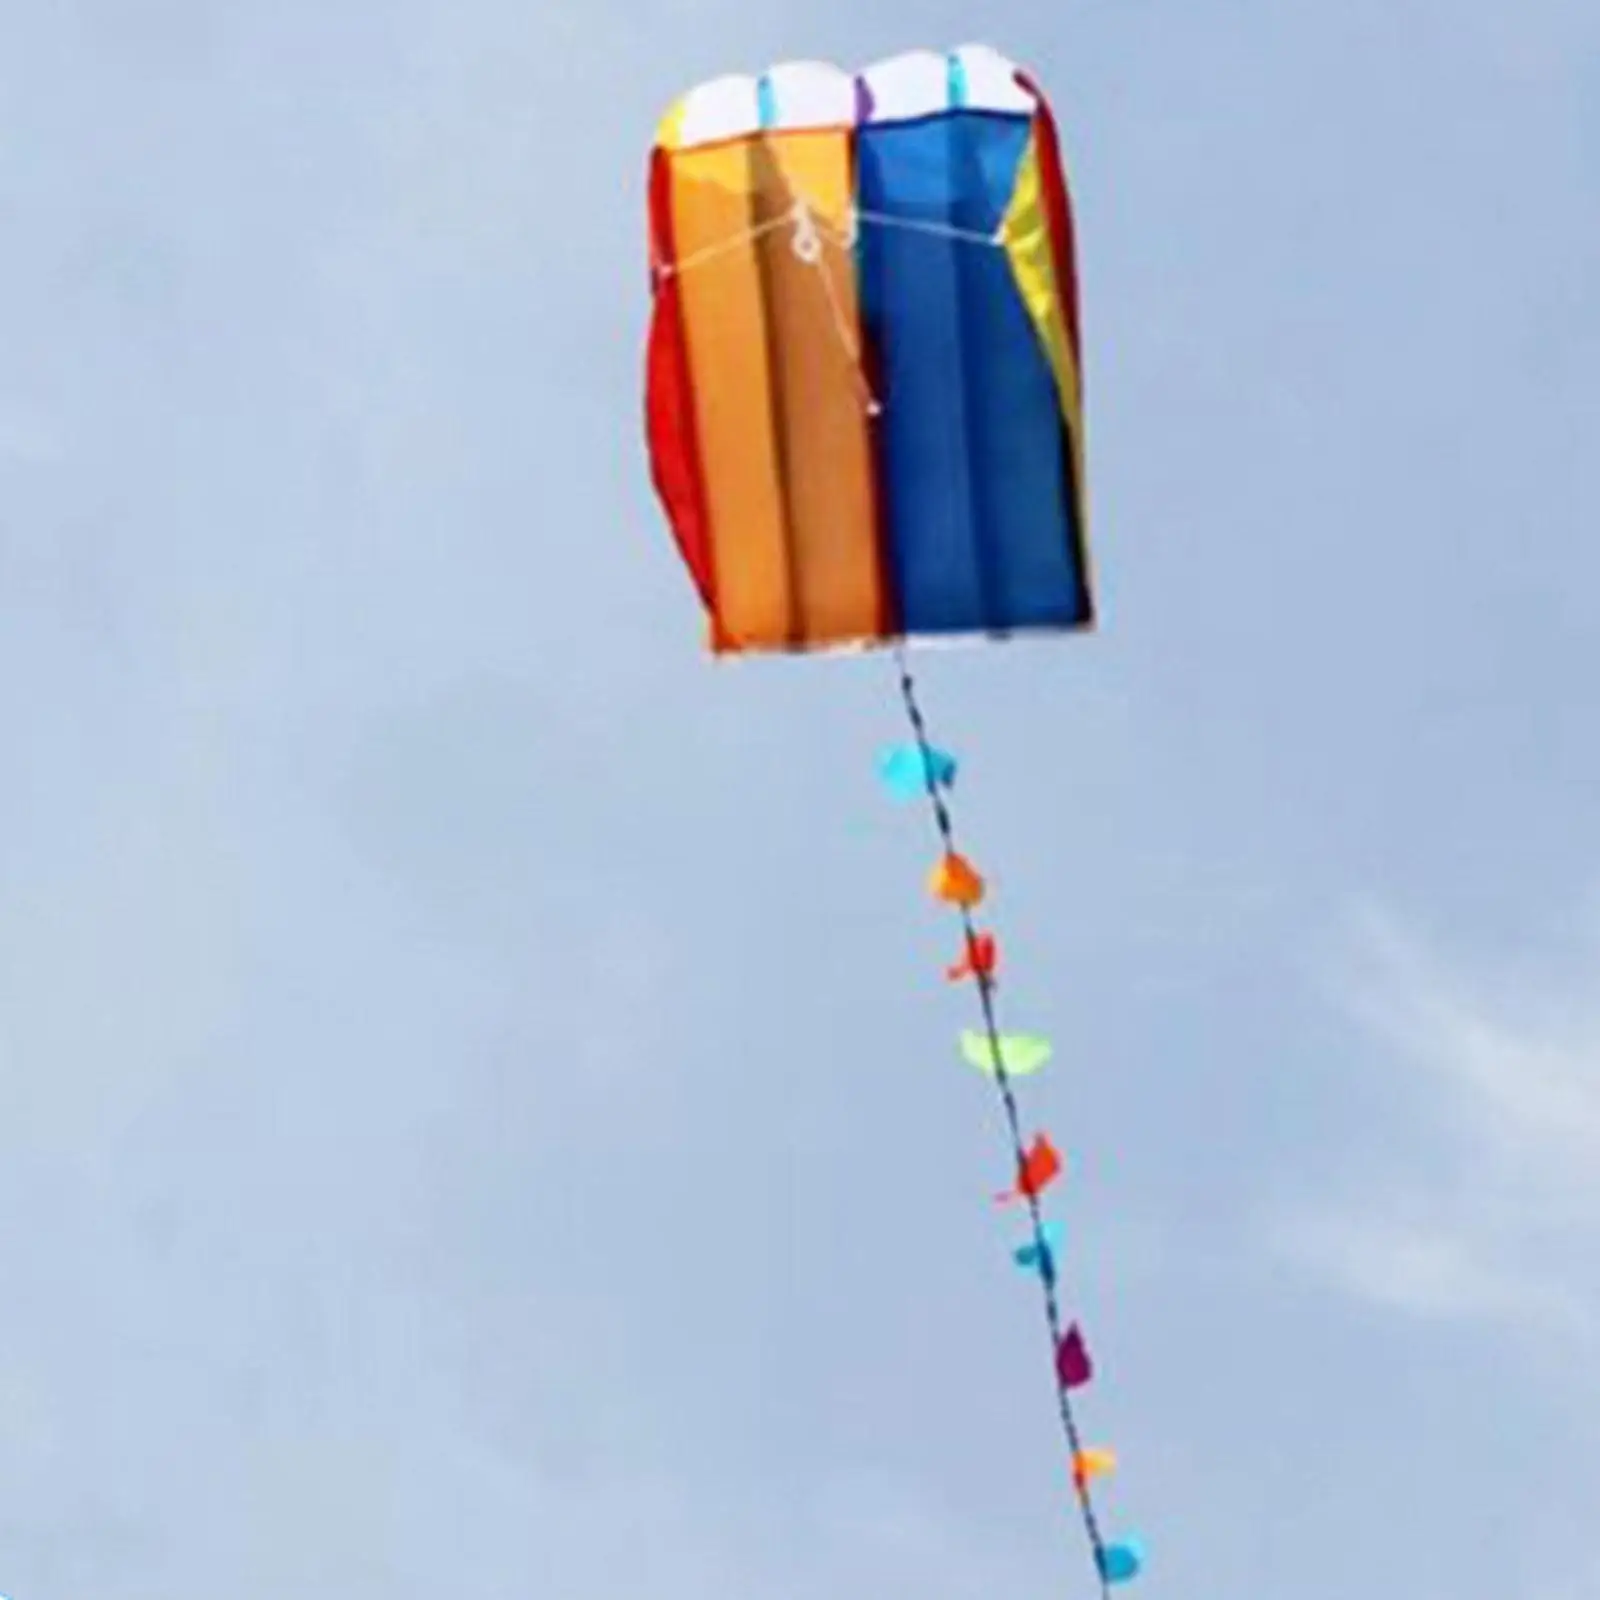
864 415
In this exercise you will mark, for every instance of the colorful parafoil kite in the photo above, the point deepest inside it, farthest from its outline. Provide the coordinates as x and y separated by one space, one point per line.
865 422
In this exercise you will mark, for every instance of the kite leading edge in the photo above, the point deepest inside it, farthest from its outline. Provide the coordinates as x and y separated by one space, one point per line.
864 409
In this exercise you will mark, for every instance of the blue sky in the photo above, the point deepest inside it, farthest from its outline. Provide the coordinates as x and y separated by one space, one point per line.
478 1109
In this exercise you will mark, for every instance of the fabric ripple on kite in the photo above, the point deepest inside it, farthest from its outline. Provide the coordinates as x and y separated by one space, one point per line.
864 416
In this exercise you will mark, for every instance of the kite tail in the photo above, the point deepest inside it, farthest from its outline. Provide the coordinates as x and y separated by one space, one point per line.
1114 1563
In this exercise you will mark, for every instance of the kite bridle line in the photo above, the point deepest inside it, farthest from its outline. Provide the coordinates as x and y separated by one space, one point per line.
806 220
984 978
810 229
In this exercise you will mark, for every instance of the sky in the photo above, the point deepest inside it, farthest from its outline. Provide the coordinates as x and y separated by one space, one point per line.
479 1108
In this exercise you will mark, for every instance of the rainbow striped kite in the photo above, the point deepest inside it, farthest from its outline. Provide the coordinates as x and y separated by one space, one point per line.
864 406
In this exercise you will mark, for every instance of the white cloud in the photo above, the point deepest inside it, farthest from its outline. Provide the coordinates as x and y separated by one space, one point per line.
1436 1268
1491 1211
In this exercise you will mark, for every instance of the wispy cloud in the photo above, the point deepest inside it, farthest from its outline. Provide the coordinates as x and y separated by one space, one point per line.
1490 1210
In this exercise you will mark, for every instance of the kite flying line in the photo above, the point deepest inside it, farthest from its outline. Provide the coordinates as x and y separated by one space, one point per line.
957 882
